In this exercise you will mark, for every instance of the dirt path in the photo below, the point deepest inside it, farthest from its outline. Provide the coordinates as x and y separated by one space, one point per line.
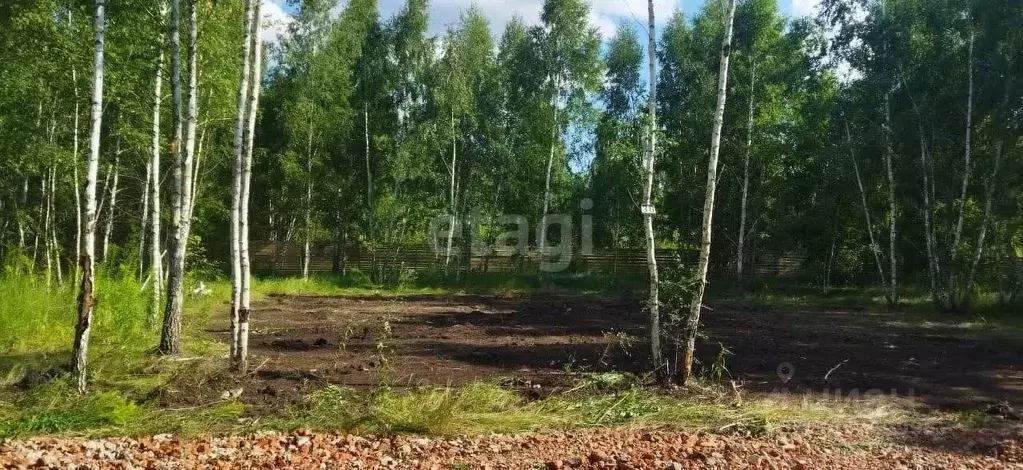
303 343
837 448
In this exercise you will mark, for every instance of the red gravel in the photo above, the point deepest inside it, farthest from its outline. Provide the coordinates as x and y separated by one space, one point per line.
845 448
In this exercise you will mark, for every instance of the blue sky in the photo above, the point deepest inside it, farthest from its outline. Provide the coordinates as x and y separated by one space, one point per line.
605 14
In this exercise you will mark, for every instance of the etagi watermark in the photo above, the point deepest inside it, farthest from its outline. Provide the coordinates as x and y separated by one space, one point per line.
514 235
786 372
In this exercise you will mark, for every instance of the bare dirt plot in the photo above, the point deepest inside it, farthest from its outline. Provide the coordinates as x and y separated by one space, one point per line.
300 343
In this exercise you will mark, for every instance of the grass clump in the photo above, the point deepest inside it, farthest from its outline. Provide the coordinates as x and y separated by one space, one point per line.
475 408
57 409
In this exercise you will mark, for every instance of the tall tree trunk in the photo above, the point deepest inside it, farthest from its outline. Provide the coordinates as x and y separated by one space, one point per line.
47 196
542 234
875 248
693 319
932 261
928 212
451 197
21 217
144 222
893 284
307 248
77 180
369 191
989 192
113 203
170 338
155 256
648 211
238 148
967 155
53 226
988 198
739 255
254 82
86 291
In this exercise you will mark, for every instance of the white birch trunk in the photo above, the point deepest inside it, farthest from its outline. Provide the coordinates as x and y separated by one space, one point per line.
451 198
369 190
653 303
77 180
550 164
253 107
144 222
988 198
874 247
967 155
693 319
113 204
739 255
47 196
893 284
86 291
989 195
155 256
307 248
53 226
238 148
170 338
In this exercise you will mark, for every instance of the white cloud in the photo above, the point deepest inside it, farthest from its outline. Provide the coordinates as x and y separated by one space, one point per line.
275 21
804 7
604 14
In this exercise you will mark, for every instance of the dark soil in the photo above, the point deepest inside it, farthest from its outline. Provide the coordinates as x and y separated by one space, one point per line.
300 343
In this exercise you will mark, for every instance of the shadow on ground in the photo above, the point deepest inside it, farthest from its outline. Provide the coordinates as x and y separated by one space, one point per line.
300 341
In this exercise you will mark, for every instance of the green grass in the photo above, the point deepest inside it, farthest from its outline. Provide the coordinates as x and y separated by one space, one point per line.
36 329
472 409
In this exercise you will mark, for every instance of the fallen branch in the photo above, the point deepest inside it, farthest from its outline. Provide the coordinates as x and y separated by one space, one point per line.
735 390
834 369
260 366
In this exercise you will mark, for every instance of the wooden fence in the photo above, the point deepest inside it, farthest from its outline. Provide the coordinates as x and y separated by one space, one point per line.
286 257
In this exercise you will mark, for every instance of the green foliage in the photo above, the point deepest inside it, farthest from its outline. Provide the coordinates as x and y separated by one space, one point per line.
57 409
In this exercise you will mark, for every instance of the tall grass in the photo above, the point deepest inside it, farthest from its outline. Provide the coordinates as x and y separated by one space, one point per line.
37 325
40 319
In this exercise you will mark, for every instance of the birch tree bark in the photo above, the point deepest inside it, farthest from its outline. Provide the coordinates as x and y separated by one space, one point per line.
113 203
307 248
989 187
170 338
693 319
254 82
893 283
238 148
967 154
369 190
77 180
550 164
451 198
86 290
155 255
648 211
144 222
928 211
739 255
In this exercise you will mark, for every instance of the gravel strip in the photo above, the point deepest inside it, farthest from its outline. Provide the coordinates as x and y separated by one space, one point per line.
846 448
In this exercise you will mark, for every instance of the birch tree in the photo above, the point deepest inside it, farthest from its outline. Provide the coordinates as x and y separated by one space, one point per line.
571 52
170 338
692 320
86 290
648 211
155 253
245 309
740 257
238 148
